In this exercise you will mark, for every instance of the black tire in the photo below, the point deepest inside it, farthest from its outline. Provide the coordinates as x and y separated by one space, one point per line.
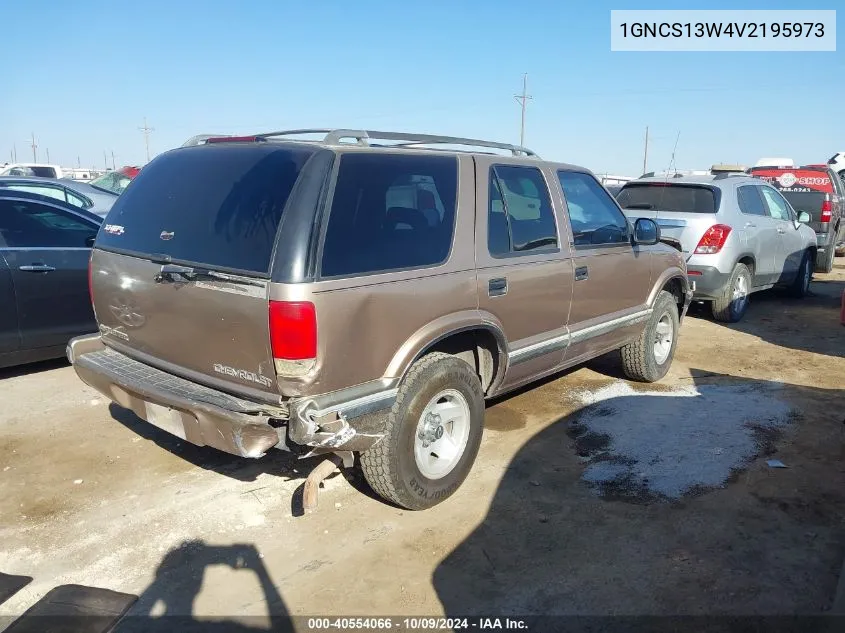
390 466
639 361
724 307
825 265
800 286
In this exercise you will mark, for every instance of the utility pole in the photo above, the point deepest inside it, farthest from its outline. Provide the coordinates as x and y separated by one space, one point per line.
112 160
79 162
14 152
34 148
645 153
105 161
48 155
523 100
146 130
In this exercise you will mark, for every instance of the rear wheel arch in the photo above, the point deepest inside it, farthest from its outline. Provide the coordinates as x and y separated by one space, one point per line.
482 346
749 262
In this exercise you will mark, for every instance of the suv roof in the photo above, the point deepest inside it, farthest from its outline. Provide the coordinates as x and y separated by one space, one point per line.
363 138
697 179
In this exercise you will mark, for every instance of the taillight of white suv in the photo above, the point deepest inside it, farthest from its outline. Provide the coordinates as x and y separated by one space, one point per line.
713 240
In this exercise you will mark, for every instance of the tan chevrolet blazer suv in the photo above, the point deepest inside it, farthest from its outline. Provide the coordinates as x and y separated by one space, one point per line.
363 293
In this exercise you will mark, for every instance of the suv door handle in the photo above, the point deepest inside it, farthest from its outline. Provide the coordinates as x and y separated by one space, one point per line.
581 273
750 225
37 268
497 287
781 230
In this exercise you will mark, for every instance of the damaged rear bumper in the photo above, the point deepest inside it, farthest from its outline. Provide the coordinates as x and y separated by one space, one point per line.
208 417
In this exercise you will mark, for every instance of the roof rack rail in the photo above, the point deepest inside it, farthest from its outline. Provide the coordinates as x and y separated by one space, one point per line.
362 137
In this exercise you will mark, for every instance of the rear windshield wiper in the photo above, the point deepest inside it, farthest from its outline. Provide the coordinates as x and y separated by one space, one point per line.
172 272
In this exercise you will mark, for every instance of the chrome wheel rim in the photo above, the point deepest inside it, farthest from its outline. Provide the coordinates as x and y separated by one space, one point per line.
663 335
442 434
739 296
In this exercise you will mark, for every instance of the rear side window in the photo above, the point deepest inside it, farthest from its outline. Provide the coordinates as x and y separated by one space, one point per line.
676 198
595 219
750 202
390 212
35 225
520 219
218 206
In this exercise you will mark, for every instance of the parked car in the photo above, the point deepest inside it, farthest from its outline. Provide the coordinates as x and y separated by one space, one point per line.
614 189
45 244
115 181
737 233
818 191
79 194
837 163
347 297
38 170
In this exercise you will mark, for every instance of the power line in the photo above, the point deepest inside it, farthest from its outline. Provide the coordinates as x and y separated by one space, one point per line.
522 100
146 130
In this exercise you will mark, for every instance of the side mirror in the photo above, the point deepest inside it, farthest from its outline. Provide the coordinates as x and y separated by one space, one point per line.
804 217
646 231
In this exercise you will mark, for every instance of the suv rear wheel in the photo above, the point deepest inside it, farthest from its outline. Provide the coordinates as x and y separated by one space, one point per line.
731 305
432 434
649 357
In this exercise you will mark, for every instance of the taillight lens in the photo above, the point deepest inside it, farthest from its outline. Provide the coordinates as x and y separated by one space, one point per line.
293 330
713 239
827 211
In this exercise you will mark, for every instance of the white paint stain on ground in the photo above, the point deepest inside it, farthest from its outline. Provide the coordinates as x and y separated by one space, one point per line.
667 443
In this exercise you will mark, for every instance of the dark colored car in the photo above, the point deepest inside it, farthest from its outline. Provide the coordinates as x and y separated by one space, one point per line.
45 245
818 191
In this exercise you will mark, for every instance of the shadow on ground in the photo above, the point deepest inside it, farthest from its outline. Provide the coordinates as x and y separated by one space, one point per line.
810 324
32 368
769 542
168 604
278 463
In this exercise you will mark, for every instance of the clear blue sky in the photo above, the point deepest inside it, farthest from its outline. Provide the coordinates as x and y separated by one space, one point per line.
82 76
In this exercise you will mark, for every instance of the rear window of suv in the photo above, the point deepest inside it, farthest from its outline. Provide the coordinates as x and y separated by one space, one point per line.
218 206
672 197
390 212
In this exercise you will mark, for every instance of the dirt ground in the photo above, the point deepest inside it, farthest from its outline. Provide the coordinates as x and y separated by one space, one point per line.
91 495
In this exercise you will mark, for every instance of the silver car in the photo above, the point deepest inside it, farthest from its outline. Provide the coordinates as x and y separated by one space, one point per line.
79 194
738 235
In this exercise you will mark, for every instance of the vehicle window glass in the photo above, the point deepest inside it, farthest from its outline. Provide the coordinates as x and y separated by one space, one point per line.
44 172
21 171
390 212
777 206
675 198
750 202
113 182
31 224
219 206
76 200
51 192
594 217
520 217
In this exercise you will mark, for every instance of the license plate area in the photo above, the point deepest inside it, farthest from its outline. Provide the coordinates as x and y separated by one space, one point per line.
165 418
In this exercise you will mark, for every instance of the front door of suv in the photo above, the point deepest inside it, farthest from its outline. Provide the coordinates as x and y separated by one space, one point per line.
611 277
790 242
524 270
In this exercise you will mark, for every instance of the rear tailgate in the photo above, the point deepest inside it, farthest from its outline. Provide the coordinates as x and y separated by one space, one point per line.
806 190
214 212
684 211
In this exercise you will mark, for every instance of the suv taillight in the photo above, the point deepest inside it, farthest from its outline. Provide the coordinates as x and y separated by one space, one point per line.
713 239
293 336
827 211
